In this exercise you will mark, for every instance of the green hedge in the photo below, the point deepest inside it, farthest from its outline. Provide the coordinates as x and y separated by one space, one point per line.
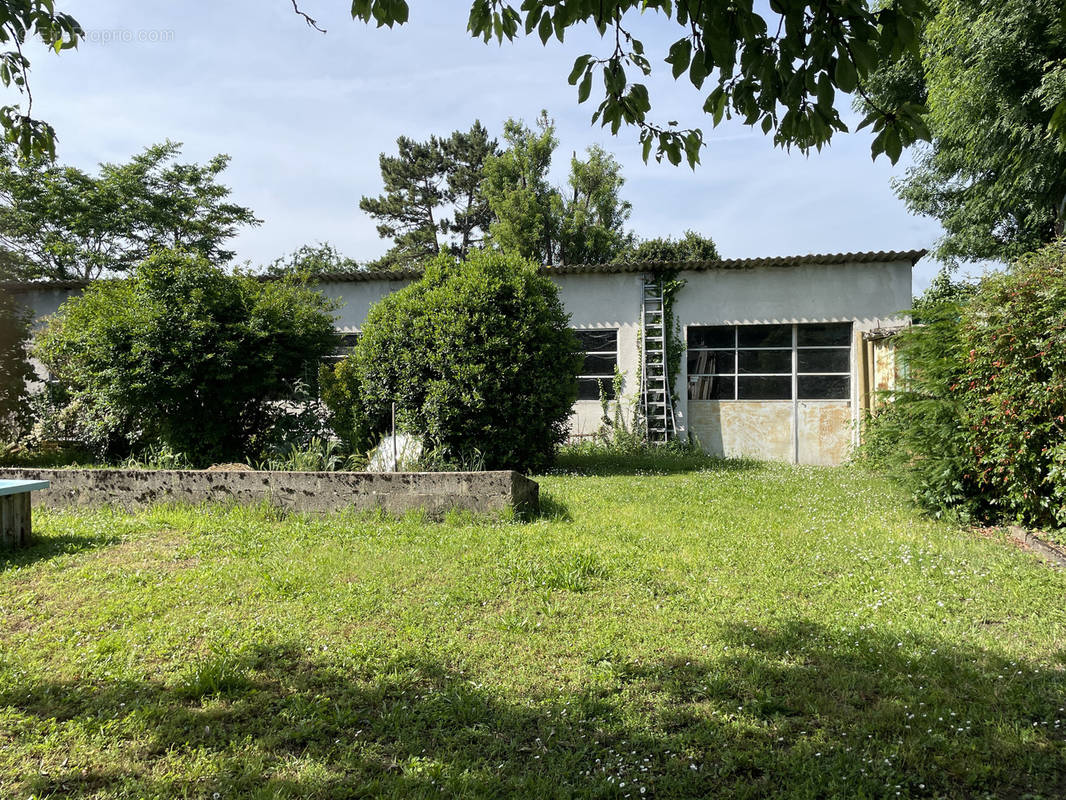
184 355
979 427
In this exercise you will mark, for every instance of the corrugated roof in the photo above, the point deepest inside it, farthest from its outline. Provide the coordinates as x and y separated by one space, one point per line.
881 256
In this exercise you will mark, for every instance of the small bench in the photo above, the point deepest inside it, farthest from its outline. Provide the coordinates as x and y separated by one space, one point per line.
16 528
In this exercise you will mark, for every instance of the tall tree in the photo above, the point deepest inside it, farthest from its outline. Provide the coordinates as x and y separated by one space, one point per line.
780 69
414 193
432 200
594 214
990 76
465 155
582 224
64 223
525 207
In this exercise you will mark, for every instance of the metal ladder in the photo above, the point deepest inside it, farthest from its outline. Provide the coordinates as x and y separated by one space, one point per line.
654 380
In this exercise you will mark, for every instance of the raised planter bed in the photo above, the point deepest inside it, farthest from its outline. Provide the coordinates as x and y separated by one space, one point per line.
394 492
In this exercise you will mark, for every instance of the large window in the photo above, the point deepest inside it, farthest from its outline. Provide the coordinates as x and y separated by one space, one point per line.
763 362
600 348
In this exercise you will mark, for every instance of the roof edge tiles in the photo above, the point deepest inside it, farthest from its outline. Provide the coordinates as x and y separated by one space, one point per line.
882 256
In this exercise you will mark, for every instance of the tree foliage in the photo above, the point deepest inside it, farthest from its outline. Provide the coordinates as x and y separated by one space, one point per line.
992 77
979 426
22 21
451 195
592 227
340 392
15 369
692 246
432 201
65 223
524 205
313 261
779 70
184 355
584 223
478 358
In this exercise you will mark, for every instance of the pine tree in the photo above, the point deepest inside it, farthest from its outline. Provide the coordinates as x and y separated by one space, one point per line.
466 154
414 192
432 189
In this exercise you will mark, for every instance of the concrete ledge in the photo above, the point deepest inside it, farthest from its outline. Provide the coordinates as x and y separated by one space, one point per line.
1031 541
394 492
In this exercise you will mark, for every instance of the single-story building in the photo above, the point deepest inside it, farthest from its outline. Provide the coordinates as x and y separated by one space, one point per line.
781 355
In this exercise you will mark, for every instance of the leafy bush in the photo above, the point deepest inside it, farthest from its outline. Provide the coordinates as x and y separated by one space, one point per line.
15 369
1014 388
690 247
339 390
479 360
979 427
319 455
185 355
918 434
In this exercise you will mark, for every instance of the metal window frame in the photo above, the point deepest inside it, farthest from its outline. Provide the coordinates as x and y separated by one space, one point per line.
613 353
794 374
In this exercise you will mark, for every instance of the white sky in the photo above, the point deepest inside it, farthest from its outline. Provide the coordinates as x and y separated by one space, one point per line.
304 116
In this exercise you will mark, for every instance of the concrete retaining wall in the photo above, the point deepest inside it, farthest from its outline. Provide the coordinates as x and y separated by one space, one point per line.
397 492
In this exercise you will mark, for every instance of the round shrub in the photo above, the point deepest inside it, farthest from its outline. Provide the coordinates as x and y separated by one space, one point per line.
478 358
185 355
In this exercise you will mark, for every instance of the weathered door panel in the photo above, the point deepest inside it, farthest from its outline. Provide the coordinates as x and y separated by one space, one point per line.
824 432
759 429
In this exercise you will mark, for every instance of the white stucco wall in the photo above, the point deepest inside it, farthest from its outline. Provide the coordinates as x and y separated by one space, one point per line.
605 301
44 301
356 298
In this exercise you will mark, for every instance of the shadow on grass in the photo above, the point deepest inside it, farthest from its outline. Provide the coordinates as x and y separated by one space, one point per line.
649 463
796 711
44 547
549 509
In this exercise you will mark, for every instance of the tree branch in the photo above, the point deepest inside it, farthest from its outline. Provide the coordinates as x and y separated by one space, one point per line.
310 22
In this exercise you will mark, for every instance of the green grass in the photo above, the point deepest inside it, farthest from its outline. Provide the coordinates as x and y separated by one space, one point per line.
687 630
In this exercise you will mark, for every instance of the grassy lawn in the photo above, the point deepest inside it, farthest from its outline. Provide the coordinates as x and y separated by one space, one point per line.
736 630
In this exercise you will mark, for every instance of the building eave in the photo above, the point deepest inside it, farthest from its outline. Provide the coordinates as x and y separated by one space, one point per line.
618 267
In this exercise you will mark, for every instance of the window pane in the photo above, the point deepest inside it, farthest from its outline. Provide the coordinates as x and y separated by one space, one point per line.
764 336
347 342
597 340
827 334
710 362
824 360
599 365
710 336
775 388
824 387
710 388
771 361
589 388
